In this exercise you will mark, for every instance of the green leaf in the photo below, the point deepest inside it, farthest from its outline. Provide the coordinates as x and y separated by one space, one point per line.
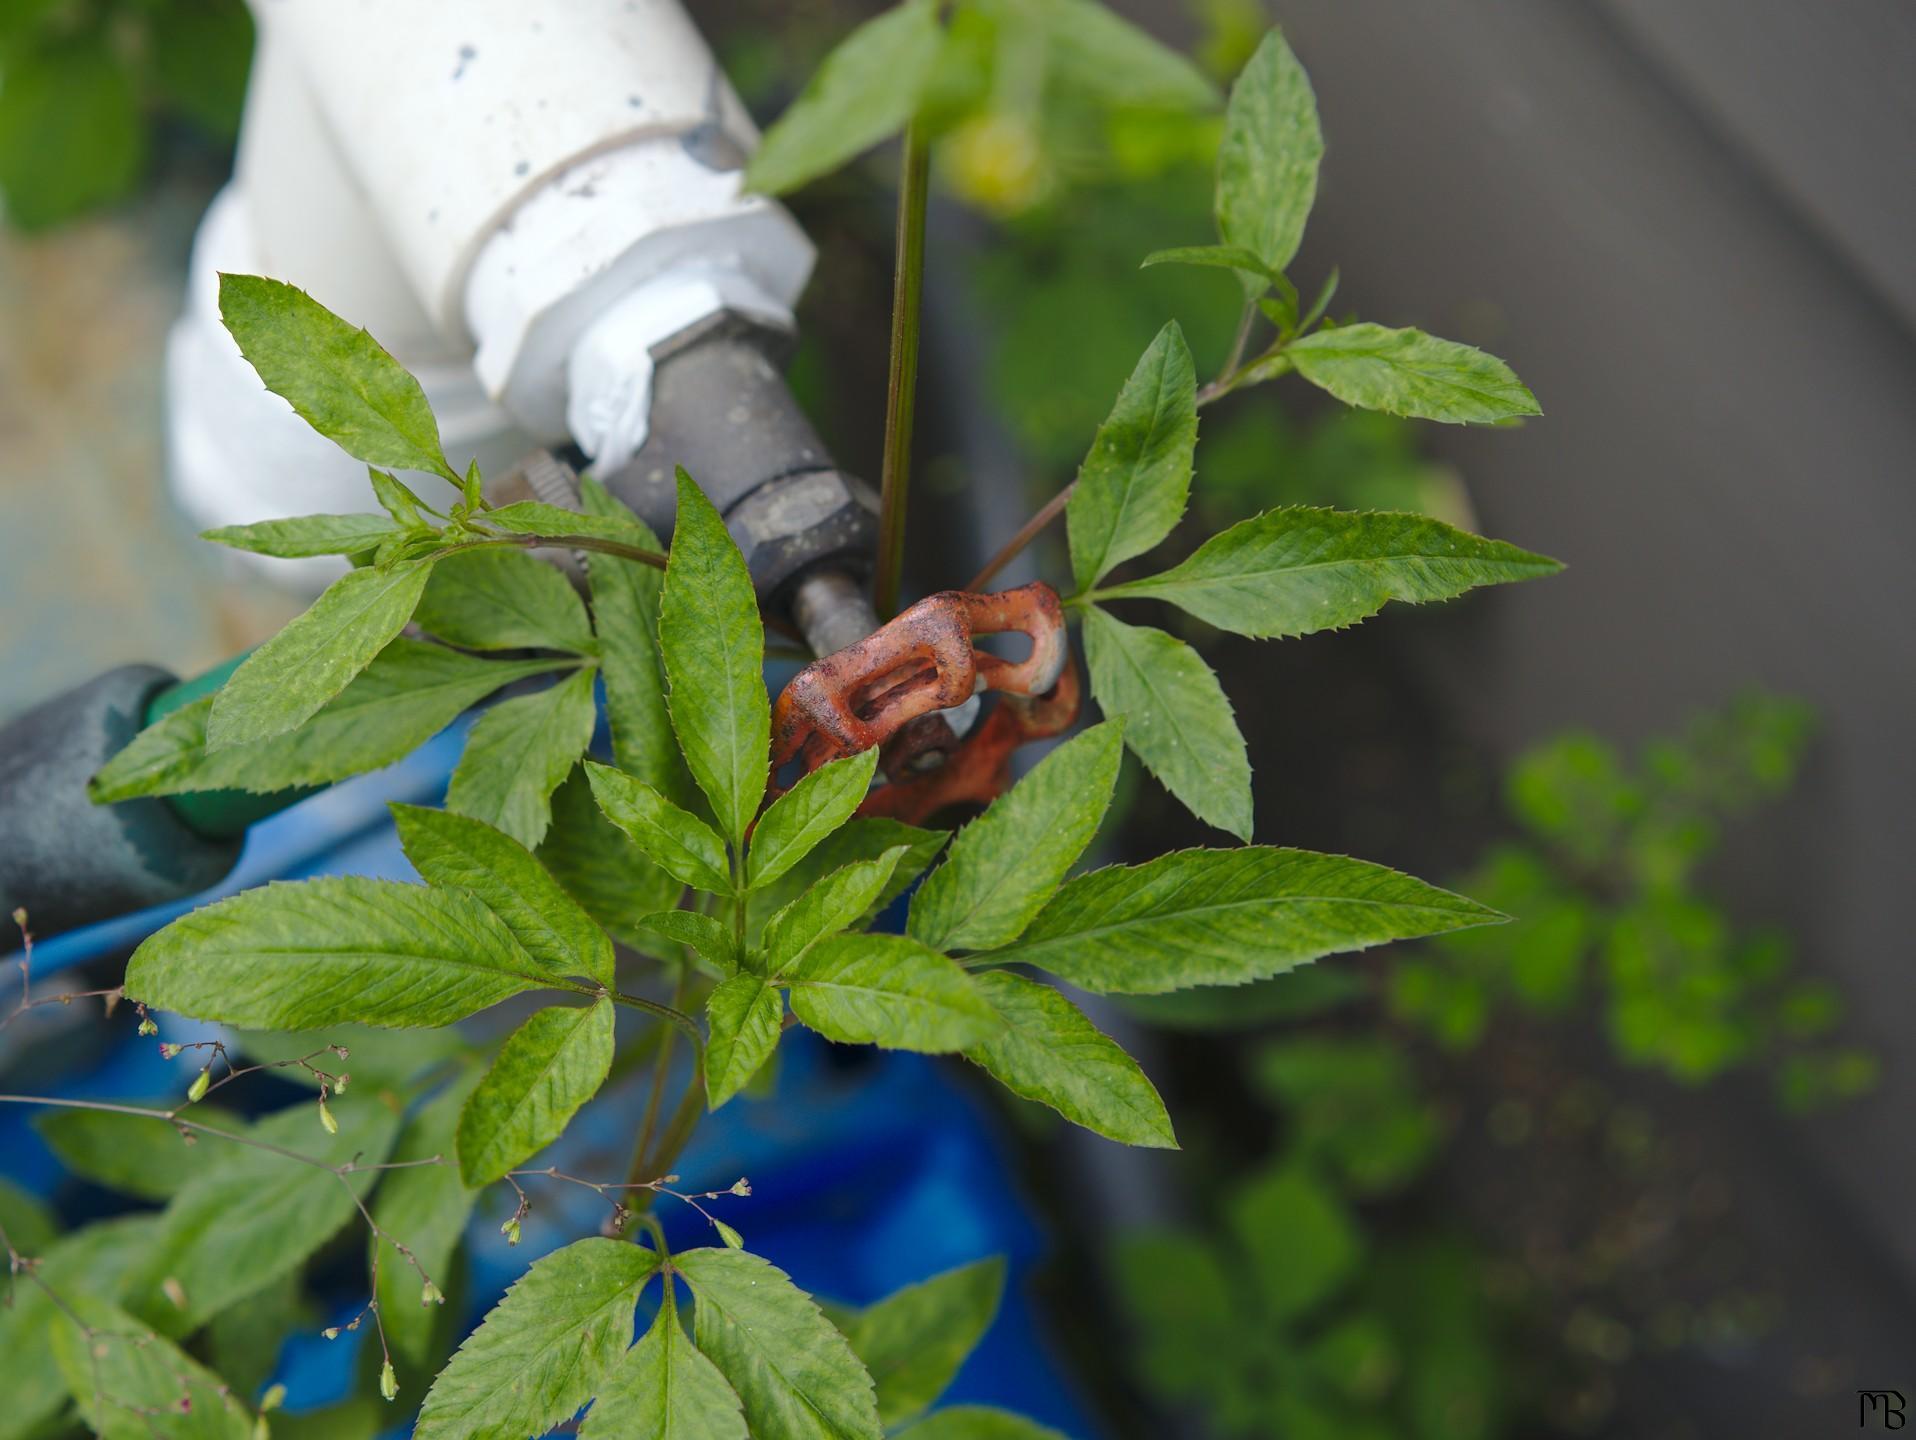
866 90
500 873
519 752
546 1070
503 600
303 536
856 841
676 840
1005 864
1092 50
30 1225
978 1422
129 1153
600 867
625 606
1298 570
1212 257
1133 484
714 648
545 1349
424 1208
747 1013
711 937
123 1377
397 499
281 684
890 991
1406 372
293 956
1225 917
71 136
249 1216
243 1341
664 1389
795 1373
335 375
913 1341
804 815
555 522
1301 1243
407 695
835 903
394 1060
1267 163
1177 718
1049 1052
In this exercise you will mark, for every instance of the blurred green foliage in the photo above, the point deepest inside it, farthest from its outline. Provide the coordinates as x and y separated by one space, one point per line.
1604 885
84 84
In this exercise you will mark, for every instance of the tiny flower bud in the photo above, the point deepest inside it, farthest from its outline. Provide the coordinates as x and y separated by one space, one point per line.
511 1230
388 1382
261 1430
167 1051
741 1186
147 1027
197 1090
429 1294
174 1291
339 1085
326 1118
730 1236
341 1051
353 1324
274 1397
331 1332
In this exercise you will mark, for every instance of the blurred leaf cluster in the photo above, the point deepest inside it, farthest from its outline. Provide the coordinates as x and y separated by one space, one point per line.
85 83
1302 1318
1604 882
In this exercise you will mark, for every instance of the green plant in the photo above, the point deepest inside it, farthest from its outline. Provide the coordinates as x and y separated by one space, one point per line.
82 81
756 914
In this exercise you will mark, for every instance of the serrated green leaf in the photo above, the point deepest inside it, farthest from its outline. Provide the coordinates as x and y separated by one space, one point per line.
280 685
600 867
249 1215
1211 257
1133 484
889 991
794 1372
835 903
1049 1052
424 1208
858 840
1298 570
1267 162
71 135
866 90
713 644
548 1068
1300 1241
503 600
1225 917
625 607
804 815
409 693
335 375
130 1153
978 1422
711 937
1096 52
545 1349
122 1375
914 1341
676 840
519 752
1406 372
302 536
555 522
293 956
1177 718
747 1013
664 1389
1005 864
500 873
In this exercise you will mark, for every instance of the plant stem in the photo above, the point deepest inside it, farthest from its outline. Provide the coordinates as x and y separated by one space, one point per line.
908 283
560 542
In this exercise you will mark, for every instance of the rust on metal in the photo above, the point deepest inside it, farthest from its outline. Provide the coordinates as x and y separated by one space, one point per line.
886 690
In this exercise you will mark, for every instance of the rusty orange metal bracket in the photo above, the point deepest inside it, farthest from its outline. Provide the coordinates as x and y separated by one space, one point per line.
886 691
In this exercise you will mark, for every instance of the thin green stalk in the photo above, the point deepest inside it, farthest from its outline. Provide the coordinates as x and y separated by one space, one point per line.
908 283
